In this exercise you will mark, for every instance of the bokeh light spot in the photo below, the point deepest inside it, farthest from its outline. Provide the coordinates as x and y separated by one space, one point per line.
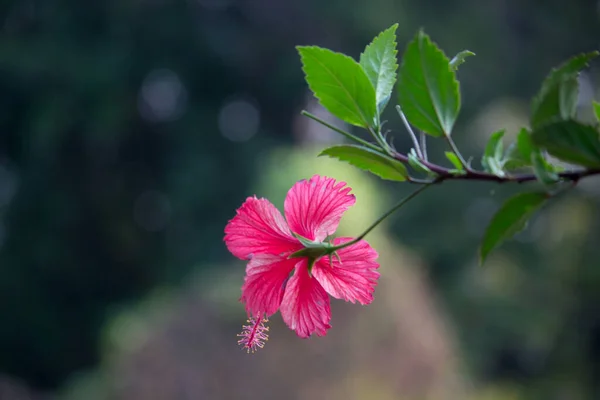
162 96
239 120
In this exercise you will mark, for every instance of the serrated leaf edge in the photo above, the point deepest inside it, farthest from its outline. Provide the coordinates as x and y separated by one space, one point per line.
306 75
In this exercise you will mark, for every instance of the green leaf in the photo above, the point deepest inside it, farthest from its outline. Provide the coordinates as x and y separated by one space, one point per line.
570 141
569 93
525 144
495 147
428 91
542 169
511 164
557 98
492 159
510 219
340 84
460 58
518 154
596 106
380 64
416 164
368 160
493 166
524 153
453 158
554 106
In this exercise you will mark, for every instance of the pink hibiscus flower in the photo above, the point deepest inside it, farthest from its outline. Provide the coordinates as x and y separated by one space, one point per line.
292 267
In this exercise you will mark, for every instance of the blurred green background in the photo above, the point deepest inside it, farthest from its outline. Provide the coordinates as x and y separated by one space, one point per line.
131 130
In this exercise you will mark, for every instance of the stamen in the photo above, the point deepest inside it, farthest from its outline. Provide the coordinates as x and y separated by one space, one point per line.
255 334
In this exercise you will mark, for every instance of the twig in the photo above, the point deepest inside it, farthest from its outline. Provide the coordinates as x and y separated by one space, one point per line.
444 174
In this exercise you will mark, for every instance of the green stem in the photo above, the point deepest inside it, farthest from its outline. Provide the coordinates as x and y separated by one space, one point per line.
423 138
457 152
381 141
410 133
341 131
382 218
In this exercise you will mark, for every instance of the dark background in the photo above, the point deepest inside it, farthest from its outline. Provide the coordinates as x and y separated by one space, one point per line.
131 130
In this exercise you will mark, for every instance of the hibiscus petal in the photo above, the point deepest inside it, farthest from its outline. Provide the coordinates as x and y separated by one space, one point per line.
305 306
258 228
354 278
314 208
264 283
